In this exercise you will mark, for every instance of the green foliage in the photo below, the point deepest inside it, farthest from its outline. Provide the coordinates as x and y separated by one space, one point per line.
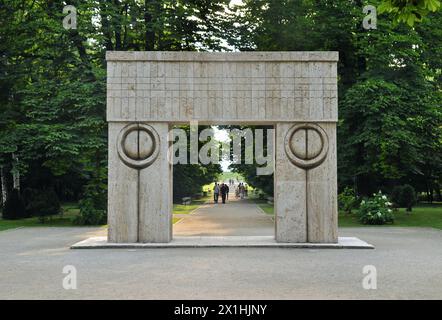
52 80
52 104
395 196
248 171
389 85
425 216
404 197
93 205
376 210
89 214
381 115
42 203
409 11
390 116
261 196
347 200
14 207
262 182
188 179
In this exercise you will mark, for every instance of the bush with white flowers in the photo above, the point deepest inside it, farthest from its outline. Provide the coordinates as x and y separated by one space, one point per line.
376 210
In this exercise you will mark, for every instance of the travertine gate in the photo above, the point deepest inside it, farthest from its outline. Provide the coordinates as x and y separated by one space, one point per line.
148 92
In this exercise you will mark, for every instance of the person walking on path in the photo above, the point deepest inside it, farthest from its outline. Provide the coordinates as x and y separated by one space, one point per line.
241 190
227 191
216 191
223 190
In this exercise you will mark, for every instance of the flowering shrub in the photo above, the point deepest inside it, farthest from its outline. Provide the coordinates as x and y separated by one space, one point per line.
347 200
376 210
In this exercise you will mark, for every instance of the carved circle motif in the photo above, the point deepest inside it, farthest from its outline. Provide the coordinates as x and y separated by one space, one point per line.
138 145
306 145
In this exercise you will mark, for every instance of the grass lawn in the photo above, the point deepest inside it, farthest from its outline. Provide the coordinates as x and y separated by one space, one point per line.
423 215
267 208
186 209
71 210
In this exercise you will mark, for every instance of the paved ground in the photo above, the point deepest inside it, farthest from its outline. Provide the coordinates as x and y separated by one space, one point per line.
234 218
408 262
237 223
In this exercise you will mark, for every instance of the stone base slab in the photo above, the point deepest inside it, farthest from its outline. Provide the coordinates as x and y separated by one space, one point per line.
222 242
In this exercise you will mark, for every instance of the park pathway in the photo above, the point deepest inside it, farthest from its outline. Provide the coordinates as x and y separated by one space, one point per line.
235 218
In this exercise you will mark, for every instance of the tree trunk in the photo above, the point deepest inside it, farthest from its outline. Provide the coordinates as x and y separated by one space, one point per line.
150 34
117 26
427 191
15 174
438 192
105 25
3 185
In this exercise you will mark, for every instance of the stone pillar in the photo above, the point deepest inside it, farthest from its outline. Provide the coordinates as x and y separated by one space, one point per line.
290 196
306 183
322 188
140 177
122 193
156 189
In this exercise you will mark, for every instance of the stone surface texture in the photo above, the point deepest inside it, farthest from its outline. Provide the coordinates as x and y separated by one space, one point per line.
155 90
222 87
222 242
140 201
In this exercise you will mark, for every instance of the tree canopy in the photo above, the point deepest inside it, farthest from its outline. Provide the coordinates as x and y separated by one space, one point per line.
409 11
389 86
53 82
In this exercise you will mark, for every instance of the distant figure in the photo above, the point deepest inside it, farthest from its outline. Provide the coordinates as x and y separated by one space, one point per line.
216 191
246 190
241 190
227 191
224 191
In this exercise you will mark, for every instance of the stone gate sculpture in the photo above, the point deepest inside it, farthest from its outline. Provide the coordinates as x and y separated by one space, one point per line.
148 92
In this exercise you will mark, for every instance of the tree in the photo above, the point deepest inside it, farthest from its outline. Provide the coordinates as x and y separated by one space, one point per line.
404 196
188 178
409 11
249 171
389 85
14 207
390 117
53 83
42 203
347 200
